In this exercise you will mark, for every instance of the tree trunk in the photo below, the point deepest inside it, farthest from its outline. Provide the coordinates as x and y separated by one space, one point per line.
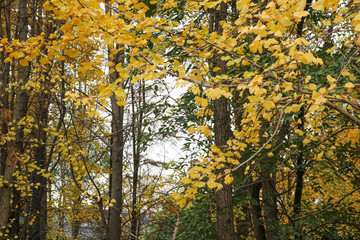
256 216
20 109
300 171
222 130
116 157
137 138
243 226
39 197
5 115
268 177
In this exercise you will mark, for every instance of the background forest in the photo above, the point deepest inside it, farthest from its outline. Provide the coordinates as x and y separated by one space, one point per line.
196 119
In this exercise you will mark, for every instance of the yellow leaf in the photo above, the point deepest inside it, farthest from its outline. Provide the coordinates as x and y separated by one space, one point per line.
299 132
312 86
349 85
357 27
288 86
268 105
318 98
186 180
301 14
176 196
256 81
191 130
228 179
211 183
330 50
121 103
205 130
92 114
71 52
246 170
338 19
284 20
24 62
255 46
176 66
120 94
318 6
216 69
330 79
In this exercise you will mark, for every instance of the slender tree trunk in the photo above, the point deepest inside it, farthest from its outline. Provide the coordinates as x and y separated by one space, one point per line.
243 226
19 112
300 171
256 215
115 227
137 138
222 130
268 177
116 157
38 208
5 112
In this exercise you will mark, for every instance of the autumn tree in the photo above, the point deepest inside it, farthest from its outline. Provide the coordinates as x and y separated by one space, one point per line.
274 90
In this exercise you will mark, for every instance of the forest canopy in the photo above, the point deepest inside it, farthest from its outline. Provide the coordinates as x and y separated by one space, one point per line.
197 119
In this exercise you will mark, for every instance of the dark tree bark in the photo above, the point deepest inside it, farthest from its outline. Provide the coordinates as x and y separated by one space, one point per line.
19 112
39 194
117 146
136 125
300 170
256 215
5 113
222 130
116 156
243 226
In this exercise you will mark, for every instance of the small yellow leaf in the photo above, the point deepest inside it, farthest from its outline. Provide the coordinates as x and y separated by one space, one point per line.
330 50
301 14
299 132
24 62
176 196
349 85
216 69
318 6
288 86
284 20
228 179
312 86
186 180
211 183
338 19
330 79
268 105
191 130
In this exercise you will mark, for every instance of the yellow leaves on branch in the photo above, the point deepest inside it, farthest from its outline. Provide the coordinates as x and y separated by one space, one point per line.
216 93
203 129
